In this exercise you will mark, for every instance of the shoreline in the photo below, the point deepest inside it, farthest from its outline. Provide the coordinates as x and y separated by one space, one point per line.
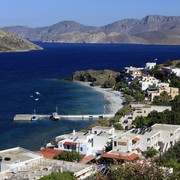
113 99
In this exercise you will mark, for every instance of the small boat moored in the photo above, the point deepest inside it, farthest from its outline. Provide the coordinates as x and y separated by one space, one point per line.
34 118
55 116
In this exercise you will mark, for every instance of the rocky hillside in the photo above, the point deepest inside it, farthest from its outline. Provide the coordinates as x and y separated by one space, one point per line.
97 77
153 29
9 42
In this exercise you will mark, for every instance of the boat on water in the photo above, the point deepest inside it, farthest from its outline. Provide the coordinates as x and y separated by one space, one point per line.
55 116
34 118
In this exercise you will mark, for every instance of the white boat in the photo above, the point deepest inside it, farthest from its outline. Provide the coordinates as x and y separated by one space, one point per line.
34 118
55 116
37 93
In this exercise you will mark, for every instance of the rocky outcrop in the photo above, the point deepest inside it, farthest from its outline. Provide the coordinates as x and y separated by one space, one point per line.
97 77
9 42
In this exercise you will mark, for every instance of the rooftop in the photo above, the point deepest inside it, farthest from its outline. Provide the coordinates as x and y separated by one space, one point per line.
17 155
122 156
49 153
166 127
102 127
104 134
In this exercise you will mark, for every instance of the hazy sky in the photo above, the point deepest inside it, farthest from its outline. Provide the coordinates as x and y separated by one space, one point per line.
36 13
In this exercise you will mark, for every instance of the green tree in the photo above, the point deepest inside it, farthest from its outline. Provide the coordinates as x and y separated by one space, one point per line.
139 96
150 153
178 65
120 85
176 104
125 110
109 83
168 63
118 127
140 121
59 176
163 99
171 158
127 91
175 82
128 98
135 85
154 71
68 156
114 119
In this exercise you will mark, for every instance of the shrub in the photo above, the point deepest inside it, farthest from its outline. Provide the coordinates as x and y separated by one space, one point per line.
68 156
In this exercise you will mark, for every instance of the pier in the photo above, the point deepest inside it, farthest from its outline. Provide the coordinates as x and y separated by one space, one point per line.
28 117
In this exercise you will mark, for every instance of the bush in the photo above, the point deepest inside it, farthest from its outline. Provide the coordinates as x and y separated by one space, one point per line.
139 96
118 127
68 156
178 65
168 63
163 99
137 171
150 153
57 175
109 83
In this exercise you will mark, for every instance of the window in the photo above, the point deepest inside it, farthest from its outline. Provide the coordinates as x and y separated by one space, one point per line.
81 149
95 132
115 143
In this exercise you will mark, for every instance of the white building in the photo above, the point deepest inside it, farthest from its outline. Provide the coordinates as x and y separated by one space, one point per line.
90 143
133 71
19 163
172 70
160 84
159 136
15 158
148 81
140 110
150 65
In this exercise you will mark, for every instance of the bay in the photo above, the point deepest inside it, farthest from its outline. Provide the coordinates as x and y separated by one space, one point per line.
24 73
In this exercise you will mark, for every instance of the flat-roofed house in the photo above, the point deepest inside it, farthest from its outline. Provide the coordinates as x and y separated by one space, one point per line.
159 136
89 143
148 81
150 65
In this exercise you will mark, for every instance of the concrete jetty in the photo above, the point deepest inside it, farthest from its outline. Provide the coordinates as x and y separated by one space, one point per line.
28 117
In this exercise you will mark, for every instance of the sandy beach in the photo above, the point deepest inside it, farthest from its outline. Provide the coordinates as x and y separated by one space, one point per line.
114 98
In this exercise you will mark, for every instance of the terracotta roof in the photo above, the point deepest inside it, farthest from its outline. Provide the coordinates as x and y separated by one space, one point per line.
49 153
70 143
136 139
115 156
87 159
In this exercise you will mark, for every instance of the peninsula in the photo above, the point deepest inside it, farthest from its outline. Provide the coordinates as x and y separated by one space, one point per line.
13 43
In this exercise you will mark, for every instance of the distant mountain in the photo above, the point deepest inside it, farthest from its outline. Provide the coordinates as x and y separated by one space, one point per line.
9 42
153 29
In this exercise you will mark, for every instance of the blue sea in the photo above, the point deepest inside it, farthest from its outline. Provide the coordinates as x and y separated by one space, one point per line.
24 73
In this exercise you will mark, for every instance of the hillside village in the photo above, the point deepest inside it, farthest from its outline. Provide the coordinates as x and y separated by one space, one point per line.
146 128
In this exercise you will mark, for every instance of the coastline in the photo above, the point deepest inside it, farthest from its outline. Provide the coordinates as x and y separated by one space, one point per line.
114 99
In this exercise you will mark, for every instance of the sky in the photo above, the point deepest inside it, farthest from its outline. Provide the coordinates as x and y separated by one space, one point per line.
38 13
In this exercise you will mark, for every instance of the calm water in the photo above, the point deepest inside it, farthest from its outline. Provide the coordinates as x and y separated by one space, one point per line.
24 73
